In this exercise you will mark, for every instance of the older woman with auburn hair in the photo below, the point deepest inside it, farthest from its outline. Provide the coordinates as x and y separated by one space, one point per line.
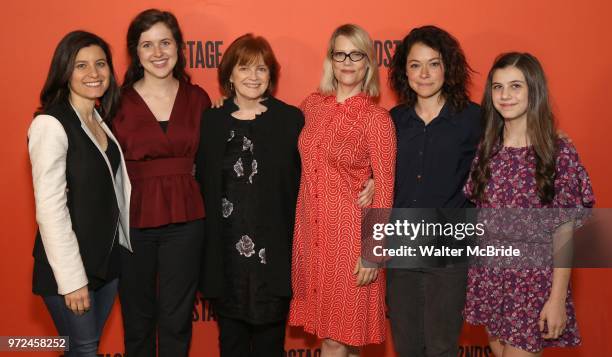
248 167
346 139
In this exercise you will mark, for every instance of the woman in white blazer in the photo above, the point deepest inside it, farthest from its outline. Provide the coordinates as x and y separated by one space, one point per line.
81 189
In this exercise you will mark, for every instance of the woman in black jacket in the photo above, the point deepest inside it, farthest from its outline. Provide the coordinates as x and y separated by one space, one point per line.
248 167
82 191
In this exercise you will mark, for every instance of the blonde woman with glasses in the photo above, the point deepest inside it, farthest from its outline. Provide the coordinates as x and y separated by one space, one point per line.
346 139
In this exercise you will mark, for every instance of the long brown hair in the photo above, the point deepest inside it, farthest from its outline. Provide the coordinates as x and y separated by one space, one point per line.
56 90
541 128
143 22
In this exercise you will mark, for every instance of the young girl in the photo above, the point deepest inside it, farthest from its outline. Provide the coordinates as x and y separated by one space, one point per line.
523 163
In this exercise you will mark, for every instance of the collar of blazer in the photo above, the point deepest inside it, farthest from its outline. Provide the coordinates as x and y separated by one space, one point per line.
121 182
104 127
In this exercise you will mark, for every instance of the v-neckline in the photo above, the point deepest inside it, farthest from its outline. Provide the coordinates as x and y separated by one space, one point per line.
170 118
98 120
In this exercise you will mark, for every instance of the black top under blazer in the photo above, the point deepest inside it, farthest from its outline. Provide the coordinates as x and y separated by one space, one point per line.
276 132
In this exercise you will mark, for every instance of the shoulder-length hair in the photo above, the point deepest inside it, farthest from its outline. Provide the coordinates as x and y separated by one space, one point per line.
360 38
56 89
541 128
457 72
246 50
143 22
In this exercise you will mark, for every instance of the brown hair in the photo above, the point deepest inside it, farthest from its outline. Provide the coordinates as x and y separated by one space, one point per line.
143 22
541 129
56 88
457 72
245 50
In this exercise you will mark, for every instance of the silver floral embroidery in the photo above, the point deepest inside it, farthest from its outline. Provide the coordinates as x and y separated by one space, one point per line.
238 168
232 134
245 246
262 255
227 207
254 170
247 144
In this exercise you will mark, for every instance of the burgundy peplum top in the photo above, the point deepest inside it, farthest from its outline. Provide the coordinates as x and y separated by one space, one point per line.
160 164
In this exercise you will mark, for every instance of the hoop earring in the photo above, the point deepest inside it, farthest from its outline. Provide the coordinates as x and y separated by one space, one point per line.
231 86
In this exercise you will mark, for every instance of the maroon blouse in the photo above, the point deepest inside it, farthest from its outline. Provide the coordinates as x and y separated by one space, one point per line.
160 164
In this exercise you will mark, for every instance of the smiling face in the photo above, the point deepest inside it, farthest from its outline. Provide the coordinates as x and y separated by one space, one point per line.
157 51
510 93
348 73
91 74
425 71
251 80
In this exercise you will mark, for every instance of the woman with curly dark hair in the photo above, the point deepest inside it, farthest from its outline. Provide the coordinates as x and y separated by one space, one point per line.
438 130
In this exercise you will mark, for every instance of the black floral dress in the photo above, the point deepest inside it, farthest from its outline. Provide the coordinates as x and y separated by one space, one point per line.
247 298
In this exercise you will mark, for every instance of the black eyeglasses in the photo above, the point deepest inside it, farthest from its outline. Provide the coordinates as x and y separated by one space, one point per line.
354 56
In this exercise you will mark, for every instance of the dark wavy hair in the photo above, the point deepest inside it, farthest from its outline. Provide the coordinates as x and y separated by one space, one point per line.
541 128
143 22
56 89
245 50
457 72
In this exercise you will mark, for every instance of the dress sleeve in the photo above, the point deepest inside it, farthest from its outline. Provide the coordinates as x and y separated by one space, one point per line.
468 188
308 102
304 104
199 157
48 146
382 147
573 192
382 143
572 183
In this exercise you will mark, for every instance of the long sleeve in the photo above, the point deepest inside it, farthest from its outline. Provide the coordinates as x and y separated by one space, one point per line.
382 147
47 146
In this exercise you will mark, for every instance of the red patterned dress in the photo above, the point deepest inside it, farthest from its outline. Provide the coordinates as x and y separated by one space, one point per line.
341 146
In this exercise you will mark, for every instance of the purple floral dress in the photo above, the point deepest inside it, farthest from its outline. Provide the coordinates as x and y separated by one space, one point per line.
509 301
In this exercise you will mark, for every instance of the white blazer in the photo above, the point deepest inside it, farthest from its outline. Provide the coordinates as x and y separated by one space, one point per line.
48 147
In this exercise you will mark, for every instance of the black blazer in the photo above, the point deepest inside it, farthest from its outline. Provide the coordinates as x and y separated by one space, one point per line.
276 132
97 203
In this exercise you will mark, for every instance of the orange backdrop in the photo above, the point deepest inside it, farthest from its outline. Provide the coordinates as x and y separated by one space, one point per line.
572 39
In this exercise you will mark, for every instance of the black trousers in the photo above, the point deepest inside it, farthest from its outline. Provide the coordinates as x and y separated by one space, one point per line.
241 339
157 289
425 308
